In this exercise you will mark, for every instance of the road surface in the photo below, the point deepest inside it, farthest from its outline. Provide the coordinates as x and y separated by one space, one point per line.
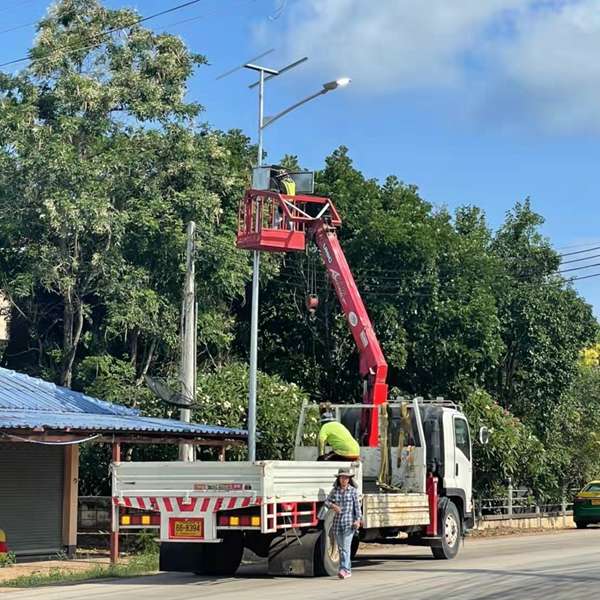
564 565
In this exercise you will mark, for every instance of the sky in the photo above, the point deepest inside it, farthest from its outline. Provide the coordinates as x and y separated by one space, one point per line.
481 102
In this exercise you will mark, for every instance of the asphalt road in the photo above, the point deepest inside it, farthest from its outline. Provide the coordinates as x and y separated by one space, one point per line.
562 565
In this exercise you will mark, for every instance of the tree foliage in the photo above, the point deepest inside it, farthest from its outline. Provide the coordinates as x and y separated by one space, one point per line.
513 451
102 165
222 399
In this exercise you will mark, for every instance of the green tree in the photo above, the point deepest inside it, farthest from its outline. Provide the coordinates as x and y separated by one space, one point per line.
545 324
67 122
102 165
573 432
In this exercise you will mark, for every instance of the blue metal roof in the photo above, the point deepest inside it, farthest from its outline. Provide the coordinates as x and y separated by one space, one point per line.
31 403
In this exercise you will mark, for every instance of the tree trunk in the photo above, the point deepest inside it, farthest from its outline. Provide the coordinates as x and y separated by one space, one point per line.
133 347
72 328
149 355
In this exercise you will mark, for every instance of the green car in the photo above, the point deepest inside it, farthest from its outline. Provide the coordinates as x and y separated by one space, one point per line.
586 507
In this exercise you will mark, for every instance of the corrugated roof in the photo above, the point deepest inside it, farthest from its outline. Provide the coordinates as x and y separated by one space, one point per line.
31 403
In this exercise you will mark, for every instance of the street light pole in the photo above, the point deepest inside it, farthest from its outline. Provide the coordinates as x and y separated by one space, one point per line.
327 87
252 374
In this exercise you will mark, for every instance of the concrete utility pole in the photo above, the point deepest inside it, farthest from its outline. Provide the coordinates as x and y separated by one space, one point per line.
188 339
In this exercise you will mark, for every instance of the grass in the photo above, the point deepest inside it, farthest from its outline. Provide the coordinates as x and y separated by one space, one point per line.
141 564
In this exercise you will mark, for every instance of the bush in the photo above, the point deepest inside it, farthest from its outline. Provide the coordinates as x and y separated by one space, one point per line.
7 559
222 399
513 450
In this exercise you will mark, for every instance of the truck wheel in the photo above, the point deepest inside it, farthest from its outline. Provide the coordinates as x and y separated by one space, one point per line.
327 557
450 532
223 558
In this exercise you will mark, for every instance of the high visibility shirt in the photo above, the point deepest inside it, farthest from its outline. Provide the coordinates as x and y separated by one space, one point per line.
334 434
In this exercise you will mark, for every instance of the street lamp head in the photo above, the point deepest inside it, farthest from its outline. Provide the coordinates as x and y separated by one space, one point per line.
333 85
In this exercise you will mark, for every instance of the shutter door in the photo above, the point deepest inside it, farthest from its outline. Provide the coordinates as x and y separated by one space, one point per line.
31 497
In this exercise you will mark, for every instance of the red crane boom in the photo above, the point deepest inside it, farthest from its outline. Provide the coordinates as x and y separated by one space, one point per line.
274 222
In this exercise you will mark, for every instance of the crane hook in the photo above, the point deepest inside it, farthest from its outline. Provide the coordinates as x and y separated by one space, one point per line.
312 303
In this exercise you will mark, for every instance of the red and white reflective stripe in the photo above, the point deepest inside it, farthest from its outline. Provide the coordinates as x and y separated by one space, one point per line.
193 504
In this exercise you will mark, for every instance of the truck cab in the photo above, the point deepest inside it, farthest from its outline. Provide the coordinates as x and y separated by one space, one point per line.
417 440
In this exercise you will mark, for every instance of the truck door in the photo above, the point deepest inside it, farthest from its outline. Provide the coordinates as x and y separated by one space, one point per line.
463 467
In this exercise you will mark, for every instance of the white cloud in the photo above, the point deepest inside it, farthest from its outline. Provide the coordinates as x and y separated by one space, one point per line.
391 44
553 65
540 56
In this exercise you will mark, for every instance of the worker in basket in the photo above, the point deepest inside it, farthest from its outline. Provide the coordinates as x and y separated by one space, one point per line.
335 435
281 182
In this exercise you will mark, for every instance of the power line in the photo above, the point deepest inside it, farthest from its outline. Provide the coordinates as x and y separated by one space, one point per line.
392 275
580 251
17 27
374 294
365 278
590 243
197 18
580 268
566 262
584 277
70 50
296 280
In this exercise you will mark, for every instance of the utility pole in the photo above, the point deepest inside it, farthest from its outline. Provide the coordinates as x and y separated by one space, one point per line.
188 340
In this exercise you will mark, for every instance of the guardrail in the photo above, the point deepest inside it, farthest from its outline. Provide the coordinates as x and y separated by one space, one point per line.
519 505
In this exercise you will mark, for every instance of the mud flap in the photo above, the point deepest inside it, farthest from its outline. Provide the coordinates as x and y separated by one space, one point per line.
293 554
180 556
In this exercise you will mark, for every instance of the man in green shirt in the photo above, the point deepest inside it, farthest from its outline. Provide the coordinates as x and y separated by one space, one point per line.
343 446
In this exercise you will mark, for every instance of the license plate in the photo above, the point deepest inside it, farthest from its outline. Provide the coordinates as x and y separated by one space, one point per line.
186 529
596 502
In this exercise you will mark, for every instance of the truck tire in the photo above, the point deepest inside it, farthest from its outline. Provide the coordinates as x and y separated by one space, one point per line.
354 547
327 557
449 531
223 558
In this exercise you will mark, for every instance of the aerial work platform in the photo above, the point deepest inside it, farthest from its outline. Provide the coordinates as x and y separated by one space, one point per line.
273 222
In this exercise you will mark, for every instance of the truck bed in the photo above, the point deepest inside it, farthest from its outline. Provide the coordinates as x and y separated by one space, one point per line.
271 481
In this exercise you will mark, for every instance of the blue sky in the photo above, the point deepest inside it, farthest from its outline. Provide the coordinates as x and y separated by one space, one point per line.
475 102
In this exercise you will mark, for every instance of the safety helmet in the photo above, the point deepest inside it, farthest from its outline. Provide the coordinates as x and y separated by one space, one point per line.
326 417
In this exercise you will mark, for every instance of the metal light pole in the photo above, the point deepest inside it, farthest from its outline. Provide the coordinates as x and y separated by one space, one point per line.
252 375
252 387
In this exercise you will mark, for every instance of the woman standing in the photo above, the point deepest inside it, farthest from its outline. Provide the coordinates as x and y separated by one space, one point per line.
343 500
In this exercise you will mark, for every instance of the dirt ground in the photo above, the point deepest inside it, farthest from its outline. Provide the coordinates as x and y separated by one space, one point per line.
46 566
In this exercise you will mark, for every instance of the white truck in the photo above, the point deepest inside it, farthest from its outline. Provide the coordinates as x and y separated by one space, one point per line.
414 473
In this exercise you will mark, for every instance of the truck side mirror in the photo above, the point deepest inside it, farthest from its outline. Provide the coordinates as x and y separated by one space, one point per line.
484 435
